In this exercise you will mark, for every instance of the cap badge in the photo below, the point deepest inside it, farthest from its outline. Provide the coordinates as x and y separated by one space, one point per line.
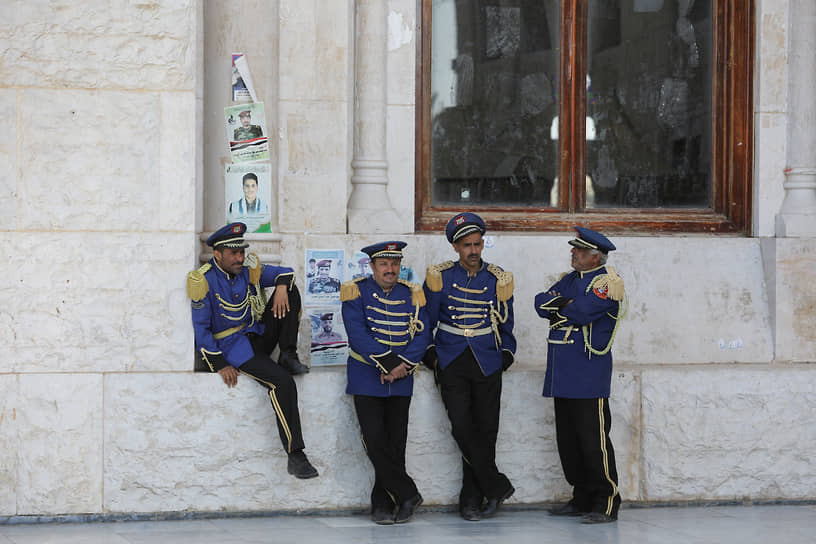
459 220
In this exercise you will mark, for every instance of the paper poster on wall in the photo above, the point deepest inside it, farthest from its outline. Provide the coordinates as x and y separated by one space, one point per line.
329 339
358 267
247 191
407 273
246 132
243 89
324 274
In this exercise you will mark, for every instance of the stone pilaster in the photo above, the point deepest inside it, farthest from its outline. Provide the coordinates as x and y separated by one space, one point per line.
797 217
369 208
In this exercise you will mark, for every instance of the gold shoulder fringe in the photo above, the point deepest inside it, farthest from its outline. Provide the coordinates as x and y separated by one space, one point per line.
349 290
197 286
254 264
417 294
612 282
433 275
504 283
561 276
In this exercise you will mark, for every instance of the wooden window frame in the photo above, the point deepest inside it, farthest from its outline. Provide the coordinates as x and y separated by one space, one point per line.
732 139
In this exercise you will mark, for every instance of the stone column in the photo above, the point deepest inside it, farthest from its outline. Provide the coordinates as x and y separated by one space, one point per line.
369 208
797 218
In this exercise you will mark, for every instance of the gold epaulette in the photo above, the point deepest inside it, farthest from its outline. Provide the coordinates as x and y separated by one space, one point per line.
611 282
254 264
417 294
433 275
349 289
197 286
561 276
504 283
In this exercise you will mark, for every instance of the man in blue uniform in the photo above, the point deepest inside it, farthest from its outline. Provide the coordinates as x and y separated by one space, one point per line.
236 329
387 333
584 308
470 302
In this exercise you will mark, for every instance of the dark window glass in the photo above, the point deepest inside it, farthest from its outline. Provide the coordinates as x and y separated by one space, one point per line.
494 96
648 106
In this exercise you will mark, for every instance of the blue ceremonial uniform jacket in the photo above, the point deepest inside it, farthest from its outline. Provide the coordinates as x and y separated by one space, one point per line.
384 330
232 302
573 370
463 303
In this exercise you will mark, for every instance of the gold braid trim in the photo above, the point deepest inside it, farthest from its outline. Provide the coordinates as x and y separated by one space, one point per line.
609 281
349 290
258 300
504 283
254 264
417 294
623 309
433 275
197 286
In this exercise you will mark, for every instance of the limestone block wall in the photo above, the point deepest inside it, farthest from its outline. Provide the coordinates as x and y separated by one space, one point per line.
98 210
101 206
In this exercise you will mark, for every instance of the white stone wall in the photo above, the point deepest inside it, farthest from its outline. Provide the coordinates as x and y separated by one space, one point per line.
98 169
101 114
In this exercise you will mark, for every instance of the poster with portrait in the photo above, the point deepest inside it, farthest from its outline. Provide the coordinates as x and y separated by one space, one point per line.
359 266
324 274
329 338
243 89
248 193
246 132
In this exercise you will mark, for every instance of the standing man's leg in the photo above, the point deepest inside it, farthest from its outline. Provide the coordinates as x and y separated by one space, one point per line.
456 395
463 401
396 420
600 471
571 454
383 425
486 412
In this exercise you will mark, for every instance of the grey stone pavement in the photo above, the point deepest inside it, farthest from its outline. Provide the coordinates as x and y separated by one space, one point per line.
788 524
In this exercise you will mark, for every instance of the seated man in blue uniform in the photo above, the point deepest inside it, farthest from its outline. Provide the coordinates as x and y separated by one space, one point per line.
584 308
387 333
236 329
470 302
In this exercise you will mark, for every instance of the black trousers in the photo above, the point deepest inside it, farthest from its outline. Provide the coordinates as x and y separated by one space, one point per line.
277 380
473 402
587 457
283 332
384 428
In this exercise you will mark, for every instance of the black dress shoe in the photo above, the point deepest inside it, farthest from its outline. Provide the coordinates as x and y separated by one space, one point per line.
299 466
470 512
597 517
492 506
290 361
568 509
407 509
382 516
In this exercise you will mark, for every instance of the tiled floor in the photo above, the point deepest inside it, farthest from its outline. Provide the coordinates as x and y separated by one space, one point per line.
664 525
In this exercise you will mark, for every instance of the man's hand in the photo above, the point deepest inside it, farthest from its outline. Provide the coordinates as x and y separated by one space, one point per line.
230 375
397 373
280 301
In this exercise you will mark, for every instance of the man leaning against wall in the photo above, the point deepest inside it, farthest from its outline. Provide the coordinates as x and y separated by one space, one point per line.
470 303
584 308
